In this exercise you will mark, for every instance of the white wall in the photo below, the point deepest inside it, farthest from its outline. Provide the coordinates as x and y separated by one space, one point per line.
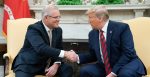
2 40
1 18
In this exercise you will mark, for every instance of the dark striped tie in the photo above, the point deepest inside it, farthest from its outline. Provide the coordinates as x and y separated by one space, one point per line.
104 53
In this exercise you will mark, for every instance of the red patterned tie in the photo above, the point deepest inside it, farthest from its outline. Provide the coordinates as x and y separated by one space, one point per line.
104 52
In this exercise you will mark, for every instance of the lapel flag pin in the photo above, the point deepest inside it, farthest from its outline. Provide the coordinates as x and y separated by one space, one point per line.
110 32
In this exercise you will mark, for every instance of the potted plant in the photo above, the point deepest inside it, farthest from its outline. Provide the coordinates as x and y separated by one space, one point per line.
69 2
108 2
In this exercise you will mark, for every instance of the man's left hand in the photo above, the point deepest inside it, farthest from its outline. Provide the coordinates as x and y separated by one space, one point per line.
51 71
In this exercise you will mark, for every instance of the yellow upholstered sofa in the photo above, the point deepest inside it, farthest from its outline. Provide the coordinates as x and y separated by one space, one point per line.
140 28
16 30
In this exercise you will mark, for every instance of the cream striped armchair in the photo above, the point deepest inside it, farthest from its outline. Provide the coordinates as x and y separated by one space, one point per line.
140 28
16 30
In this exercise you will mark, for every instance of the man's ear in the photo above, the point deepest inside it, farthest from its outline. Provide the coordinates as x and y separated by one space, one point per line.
46 18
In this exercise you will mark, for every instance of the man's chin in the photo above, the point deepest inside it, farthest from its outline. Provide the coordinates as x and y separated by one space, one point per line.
56 26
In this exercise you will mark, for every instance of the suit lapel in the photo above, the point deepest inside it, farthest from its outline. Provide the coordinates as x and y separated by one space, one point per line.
97 42
53 37
44 33
109 36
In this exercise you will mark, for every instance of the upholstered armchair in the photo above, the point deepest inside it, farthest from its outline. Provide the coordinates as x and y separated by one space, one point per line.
16 30
140 28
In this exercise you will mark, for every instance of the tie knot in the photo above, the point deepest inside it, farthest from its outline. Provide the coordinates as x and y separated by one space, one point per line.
49 31
101 31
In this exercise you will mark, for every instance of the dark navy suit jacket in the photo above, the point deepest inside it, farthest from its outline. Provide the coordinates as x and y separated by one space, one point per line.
36 50
120 48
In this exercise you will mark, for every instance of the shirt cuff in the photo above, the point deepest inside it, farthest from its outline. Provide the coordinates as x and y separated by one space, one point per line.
62 53
78 61
57 62
114 74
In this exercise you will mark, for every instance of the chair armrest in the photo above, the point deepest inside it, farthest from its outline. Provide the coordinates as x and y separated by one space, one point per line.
6 57
146 76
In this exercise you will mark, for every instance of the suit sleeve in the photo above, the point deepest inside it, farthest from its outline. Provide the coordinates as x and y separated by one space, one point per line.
34 36
127 49
59 43
90 56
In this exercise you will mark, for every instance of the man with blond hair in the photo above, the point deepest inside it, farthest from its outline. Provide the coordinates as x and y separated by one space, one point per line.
111 48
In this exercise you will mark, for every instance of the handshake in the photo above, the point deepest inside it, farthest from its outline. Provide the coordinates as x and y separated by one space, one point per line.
71 56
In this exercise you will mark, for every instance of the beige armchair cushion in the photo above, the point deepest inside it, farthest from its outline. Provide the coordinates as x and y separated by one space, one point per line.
16 30
140 28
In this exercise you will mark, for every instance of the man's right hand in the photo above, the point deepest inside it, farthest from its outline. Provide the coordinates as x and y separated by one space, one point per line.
71 56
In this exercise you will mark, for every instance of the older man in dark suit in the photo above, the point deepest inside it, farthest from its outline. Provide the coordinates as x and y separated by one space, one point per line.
111 47
43 42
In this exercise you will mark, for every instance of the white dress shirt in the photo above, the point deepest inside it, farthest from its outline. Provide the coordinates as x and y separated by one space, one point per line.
61 55
105 35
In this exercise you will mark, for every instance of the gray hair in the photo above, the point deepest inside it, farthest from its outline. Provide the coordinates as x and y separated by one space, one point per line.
100 11
47 10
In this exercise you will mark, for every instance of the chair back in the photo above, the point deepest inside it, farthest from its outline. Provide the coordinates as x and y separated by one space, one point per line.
16 30
140 28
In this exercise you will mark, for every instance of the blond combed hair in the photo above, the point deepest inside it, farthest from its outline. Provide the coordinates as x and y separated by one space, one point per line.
100 11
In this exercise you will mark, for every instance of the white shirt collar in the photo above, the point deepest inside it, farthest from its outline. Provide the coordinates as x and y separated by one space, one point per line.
47 29
105 26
